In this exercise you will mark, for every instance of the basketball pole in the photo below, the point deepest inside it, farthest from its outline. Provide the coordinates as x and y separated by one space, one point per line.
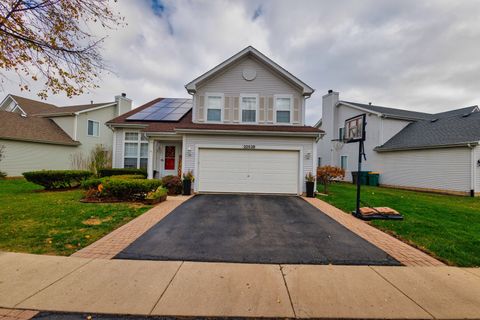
360 155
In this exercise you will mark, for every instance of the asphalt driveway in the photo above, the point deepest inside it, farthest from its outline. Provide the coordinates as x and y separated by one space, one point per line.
253 229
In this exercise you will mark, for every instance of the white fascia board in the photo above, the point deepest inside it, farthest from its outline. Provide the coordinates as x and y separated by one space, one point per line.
307 90
358 108
250 133
127 125
96 108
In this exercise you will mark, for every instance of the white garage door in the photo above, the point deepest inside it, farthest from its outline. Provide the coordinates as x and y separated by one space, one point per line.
248 171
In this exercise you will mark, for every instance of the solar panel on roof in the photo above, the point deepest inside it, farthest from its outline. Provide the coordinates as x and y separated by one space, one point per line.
168 109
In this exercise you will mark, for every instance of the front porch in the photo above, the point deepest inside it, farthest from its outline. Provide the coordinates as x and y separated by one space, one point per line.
165 157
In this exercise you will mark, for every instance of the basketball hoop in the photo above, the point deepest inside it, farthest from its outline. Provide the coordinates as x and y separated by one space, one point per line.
355 129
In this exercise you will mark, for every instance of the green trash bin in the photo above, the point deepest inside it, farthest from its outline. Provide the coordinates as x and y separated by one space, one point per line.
373 178
363 177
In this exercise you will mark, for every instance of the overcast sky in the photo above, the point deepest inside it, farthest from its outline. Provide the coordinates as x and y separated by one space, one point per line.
418 55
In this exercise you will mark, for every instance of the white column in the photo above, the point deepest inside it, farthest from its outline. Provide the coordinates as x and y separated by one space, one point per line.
150 159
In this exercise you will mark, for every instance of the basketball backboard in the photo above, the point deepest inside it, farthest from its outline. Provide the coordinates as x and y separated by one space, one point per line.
355 129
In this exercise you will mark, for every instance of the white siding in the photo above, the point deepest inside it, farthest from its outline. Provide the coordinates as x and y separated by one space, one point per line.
443 169
266 84
67 124
378 130
28 156
306 144
105 137
118 156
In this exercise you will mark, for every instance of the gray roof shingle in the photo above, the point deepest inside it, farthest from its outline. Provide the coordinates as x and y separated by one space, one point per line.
456 127
392 112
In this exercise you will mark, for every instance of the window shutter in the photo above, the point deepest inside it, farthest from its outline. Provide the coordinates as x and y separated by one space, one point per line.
261 110
200 108
270 110
296 110
236 109
227 110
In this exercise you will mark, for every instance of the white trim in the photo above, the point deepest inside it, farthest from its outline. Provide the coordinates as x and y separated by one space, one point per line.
184 153
18 107
280 96
474 169
249 95
114 149
93 135
192 85
96 108
250 132
205 107
150 159
358 108
257 147
75 128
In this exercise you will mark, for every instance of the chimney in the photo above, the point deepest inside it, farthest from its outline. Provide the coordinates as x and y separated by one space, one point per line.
329 118
124 104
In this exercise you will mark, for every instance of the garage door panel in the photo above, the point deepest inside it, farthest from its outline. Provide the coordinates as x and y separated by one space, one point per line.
248 171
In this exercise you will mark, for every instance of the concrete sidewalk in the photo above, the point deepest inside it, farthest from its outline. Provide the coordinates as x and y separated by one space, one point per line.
227 290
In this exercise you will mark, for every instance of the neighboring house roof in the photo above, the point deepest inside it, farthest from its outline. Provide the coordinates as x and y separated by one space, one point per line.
192 85
70 110
390 112
14 126
460 112
185 123
460 128
30 106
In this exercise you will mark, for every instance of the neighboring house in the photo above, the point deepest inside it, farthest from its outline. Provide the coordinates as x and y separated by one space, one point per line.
415 150
243 131
38 135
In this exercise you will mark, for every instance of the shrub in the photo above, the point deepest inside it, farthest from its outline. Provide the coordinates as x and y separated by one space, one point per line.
157 194
93 183
173 184
188 176
327 174
121 171
99 159
129 189
56 179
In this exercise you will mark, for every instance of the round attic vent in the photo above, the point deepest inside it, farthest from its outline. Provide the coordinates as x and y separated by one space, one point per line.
249 74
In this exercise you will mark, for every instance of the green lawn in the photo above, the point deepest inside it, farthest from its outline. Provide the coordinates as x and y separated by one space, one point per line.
55 222
447 226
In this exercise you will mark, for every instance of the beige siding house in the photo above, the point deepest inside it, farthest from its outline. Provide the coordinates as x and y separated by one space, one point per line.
412 150
37 135
242 131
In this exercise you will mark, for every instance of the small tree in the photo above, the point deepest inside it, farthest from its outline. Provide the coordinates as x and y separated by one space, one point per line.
99 159
2 155
326 174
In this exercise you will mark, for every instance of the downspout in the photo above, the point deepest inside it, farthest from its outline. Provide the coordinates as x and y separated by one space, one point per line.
473 169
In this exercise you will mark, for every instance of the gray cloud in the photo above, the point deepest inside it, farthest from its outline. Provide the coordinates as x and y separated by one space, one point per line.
421 55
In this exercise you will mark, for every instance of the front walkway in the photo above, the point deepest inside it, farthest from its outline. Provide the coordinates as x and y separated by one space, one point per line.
176 288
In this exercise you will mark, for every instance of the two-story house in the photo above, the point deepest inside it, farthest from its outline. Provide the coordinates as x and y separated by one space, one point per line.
436 152
243 130
36 135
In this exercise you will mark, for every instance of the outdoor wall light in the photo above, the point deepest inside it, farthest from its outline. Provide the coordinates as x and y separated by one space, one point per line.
308 155
189 151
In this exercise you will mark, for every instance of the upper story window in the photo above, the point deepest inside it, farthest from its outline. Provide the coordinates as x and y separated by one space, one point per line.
249 107
93 128
283 108
214 106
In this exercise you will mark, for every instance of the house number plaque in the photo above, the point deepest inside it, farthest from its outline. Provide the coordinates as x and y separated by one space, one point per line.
249 146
